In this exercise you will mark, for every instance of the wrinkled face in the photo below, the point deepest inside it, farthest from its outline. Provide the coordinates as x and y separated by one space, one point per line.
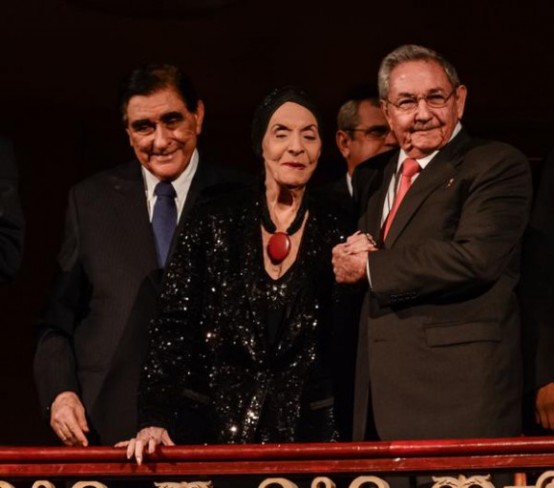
291 146
371 136
425 129
163 132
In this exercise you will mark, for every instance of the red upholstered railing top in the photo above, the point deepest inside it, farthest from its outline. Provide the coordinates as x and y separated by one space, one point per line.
270 459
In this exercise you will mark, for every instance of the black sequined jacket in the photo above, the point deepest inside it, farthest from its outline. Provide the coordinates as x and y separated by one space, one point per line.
211 376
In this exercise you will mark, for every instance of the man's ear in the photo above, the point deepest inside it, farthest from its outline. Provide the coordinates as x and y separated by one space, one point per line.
129 135
343 143
199 115
385 109
461 95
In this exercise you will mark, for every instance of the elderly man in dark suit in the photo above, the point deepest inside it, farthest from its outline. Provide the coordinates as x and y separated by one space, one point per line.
441 221
118 235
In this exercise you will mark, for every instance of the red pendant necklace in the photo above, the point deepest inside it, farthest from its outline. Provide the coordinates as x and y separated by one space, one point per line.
279 245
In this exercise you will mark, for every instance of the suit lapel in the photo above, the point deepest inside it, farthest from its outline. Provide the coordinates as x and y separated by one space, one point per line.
251 255
130 208
374 211
199 181
437 173
340 189
296 308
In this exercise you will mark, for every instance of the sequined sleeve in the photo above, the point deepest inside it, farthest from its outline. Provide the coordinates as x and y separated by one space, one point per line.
173 330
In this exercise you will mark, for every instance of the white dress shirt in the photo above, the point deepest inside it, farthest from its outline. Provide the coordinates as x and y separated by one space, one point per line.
395 181
349 184
181 184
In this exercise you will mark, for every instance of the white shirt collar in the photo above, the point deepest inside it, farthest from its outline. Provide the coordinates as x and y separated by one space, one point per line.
181 184
423 162
349 183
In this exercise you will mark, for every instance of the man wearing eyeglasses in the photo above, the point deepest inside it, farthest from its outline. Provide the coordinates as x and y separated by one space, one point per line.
439 348
362 131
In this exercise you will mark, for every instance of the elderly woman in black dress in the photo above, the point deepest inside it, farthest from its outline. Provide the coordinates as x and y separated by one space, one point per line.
242 347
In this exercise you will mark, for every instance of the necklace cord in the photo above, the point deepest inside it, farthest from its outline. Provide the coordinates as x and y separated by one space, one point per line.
269 225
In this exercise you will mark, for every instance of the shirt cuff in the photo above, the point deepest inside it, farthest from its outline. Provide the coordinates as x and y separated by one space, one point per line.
367 271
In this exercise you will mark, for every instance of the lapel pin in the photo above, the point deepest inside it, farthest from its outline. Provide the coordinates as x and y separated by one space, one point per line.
450 182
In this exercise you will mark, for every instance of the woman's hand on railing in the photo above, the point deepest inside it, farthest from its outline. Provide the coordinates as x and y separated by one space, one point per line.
149 438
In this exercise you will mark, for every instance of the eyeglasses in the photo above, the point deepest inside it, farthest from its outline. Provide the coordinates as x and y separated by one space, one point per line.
433 100
371 133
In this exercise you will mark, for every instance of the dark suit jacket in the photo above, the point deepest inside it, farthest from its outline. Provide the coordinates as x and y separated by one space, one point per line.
336 195
537 284
11 217
441 342
93 333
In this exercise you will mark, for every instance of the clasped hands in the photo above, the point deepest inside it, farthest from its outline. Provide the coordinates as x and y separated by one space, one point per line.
350 258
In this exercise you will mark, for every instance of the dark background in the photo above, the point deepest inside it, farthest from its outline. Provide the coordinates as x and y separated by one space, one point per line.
61 61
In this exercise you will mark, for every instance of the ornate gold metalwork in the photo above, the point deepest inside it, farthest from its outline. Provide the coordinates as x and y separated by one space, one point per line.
546 480
281 482
371 480
184 484
462 482
323 482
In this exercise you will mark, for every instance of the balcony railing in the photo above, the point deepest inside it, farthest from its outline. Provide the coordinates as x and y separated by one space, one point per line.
452 463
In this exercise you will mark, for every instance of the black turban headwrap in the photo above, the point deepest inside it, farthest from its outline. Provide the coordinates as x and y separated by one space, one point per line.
270 104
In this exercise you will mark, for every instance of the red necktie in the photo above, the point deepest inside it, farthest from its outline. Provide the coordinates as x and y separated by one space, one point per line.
410 167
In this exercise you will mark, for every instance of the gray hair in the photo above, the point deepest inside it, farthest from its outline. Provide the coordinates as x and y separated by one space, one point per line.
412 52
348 116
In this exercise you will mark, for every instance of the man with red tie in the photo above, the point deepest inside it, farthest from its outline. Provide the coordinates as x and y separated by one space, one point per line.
441 222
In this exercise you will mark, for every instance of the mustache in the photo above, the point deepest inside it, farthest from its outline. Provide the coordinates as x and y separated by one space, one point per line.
423 127
165 152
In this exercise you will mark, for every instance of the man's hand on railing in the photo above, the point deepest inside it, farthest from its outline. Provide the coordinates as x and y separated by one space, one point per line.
544 406
68 420
149 438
